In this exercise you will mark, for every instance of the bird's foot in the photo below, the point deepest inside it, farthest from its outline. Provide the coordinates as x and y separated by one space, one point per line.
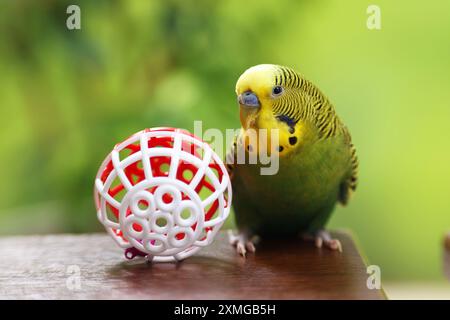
242 242
323 238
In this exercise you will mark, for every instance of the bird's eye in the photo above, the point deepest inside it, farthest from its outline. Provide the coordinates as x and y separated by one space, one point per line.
277 90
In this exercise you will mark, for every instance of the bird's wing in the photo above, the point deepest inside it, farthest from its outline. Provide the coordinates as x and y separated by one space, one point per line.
349 184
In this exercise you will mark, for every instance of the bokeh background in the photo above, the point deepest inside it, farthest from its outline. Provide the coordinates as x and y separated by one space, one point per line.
66 97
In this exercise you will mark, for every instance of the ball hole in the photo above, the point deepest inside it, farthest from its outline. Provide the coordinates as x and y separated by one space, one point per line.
161 222
200 153
117 190
216 172
112 213
180 236
143 204
167 198
204 192
212 211
137 227
125 152
156 243
185 214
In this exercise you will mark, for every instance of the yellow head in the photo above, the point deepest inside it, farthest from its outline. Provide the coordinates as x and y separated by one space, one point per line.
271 97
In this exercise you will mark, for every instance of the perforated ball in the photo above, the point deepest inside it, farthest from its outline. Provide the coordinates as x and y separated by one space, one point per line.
162 193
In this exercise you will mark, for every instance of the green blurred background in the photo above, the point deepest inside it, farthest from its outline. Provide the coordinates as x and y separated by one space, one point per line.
66 97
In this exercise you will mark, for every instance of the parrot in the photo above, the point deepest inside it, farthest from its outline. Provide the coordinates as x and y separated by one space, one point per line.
317 161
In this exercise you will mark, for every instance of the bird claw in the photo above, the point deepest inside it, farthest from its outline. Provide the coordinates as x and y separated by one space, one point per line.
242 243
332 244
323 238
240 248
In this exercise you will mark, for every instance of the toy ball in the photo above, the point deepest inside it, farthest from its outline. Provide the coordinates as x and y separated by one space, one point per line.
162 193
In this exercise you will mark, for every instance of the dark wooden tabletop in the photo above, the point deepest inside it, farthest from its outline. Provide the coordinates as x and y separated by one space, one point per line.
92 267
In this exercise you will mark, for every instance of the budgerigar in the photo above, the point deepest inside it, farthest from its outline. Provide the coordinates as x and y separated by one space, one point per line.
317 160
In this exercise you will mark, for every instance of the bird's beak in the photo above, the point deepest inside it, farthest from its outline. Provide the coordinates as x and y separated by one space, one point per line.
249 99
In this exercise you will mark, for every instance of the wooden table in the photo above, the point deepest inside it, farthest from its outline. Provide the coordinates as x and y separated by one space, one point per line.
90 266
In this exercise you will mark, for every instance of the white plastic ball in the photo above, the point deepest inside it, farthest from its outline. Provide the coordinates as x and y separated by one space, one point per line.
162 193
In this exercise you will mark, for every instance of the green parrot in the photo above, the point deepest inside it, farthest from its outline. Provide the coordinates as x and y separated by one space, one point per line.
317 162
